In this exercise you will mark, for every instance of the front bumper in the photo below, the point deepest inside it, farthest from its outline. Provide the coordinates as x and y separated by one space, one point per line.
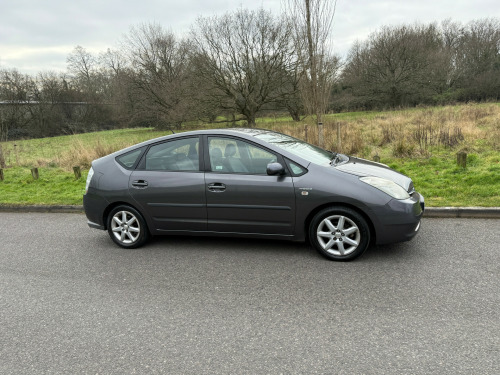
401 220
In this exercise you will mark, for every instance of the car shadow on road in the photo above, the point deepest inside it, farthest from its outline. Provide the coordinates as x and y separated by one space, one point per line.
229 245
404 251
398 252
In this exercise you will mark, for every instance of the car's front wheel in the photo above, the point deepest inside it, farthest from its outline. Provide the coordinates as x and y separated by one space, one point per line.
127 227
339 233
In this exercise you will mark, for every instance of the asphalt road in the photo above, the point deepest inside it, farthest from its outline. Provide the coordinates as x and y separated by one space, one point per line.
71 302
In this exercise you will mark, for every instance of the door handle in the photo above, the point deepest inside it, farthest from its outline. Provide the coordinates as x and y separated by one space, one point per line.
216 187
140 184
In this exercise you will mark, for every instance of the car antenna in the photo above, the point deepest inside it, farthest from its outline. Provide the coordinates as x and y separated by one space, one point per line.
172 130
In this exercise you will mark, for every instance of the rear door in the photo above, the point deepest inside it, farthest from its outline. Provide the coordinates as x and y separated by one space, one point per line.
241 197
169 186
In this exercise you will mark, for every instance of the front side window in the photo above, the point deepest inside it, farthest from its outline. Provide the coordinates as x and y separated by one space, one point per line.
228 155
177 155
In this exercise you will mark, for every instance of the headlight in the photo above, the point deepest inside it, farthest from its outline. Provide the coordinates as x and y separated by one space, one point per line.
387 186
89 177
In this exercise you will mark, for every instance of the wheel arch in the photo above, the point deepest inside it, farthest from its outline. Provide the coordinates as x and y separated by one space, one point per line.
311 215
111 206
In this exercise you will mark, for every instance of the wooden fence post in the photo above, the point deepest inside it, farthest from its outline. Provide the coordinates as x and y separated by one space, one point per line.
320 134
1 174
77 172
306 128
34 173
339 140
462 159
2 159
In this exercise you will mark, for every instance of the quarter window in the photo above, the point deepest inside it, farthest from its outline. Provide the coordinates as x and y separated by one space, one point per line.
128 160
296 169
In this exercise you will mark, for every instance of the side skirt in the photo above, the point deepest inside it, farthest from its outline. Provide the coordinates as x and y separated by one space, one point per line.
226 234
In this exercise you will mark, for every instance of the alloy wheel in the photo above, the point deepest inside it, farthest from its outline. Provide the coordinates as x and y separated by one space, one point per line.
338 235
125 227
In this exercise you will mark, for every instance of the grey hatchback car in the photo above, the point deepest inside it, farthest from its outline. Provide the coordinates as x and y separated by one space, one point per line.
250 183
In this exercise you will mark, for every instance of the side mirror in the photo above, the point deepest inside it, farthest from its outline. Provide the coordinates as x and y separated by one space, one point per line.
275 169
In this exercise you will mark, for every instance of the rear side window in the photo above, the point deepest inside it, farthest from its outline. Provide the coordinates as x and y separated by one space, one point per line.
177 155
129 159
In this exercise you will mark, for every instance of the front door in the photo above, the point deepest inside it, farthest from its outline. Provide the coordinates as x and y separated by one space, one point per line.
241 197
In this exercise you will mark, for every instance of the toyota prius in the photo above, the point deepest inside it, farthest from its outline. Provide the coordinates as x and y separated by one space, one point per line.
250 183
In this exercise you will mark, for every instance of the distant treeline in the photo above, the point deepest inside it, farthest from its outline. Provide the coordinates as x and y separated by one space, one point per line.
422 64
245 64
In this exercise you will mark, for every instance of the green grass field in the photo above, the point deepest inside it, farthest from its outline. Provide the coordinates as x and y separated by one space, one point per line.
421 143
55 186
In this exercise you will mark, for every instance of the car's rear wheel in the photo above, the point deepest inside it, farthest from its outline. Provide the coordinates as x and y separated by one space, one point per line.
127 227
339 233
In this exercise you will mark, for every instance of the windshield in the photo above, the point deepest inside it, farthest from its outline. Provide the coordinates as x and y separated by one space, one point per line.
300 148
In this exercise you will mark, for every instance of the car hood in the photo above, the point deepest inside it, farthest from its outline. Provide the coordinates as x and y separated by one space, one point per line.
362 168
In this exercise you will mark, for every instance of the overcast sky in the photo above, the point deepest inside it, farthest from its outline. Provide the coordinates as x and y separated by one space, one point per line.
38 35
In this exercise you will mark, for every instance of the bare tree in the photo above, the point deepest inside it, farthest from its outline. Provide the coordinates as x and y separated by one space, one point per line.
397 65
15 97
242 57
118 74
112 60
313 22
161 72
86 76
293 100
477 57
81 63
45 108
412 64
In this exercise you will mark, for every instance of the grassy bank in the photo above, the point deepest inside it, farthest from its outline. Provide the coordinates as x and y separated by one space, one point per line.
421 143
55 186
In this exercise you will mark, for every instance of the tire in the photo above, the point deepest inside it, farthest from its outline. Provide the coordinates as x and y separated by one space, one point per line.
339 233
127 228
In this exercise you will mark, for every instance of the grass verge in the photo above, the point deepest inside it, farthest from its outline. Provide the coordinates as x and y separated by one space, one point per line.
55 186
444 184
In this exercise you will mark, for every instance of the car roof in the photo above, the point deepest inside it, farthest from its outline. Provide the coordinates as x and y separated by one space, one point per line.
248 132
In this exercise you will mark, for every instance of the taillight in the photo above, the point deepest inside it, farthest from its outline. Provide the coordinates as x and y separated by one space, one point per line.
89 177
